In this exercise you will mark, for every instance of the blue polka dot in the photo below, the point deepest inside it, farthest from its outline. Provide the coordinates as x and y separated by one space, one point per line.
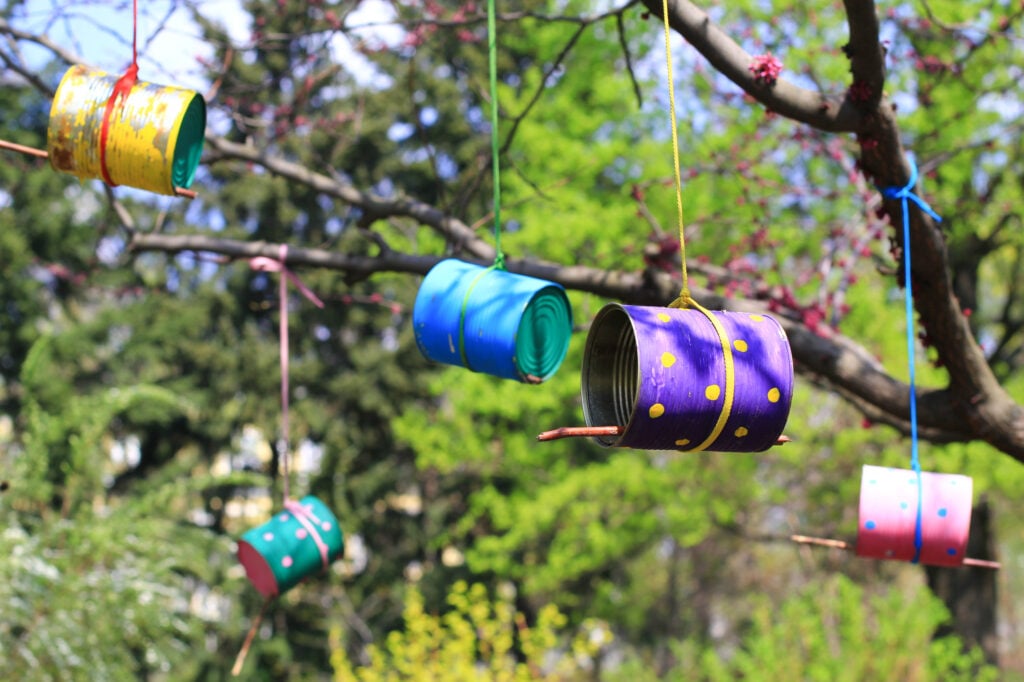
903 505
872 482
942 512
951 551
912 481
870 525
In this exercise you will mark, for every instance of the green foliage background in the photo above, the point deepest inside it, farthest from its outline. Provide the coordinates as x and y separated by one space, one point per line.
474 551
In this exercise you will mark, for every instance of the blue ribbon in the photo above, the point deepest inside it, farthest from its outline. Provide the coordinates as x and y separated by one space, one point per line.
906 194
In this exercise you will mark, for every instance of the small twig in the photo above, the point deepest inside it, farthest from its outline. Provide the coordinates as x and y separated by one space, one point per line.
43 154
621 30
229 55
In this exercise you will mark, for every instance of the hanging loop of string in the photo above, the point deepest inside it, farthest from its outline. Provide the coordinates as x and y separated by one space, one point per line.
684 300
304 516
905 195
122 88
264 264
492 59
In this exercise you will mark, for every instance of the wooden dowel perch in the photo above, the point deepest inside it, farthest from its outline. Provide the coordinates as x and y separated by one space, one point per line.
30 151
580 432
43 154
243 653
594 431
849 547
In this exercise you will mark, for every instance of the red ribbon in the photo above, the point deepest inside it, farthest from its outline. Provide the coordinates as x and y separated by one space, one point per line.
118 95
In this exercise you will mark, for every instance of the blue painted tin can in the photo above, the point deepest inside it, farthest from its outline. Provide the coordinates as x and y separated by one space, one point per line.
492 321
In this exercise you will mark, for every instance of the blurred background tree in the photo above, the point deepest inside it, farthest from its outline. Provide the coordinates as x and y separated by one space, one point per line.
138 351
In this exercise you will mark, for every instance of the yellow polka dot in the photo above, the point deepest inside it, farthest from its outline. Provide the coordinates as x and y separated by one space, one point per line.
757 318
742 431
657 409
773 395
667 359
683 441
740 345
712 392
663 317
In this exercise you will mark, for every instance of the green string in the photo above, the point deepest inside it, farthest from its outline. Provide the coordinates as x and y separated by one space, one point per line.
492 45
462 314
499 257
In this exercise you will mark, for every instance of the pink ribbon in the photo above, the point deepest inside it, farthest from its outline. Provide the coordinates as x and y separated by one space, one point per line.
264 264
310 522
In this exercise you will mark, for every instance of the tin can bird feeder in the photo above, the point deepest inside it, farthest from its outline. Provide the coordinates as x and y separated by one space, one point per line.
888 515
684 379
492 321
154 138
300 541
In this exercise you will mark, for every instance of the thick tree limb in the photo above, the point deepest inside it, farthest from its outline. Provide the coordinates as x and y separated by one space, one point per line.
838 361
830 113
986 409
974 406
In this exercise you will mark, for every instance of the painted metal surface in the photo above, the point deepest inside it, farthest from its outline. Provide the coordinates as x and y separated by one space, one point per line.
492 321
660 373
154 140
283 551
888 515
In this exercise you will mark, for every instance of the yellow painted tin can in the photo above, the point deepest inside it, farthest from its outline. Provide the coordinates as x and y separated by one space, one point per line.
154 137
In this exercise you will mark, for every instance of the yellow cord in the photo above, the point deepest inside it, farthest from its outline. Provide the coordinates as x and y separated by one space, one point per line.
684 299
728 395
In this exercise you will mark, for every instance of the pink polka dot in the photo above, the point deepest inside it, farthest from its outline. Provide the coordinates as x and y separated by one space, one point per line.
268 536
283 518
326 525
301 533
286 562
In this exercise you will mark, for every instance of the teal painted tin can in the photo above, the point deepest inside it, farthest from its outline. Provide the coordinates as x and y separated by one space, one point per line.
297 542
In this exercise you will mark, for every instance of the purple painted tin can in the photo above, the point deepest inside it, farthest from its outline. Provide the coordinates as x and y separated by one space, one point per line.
673 381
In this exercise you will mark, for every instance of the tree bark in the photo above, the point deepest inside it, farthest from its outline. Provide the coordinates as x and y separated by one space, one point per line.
970 593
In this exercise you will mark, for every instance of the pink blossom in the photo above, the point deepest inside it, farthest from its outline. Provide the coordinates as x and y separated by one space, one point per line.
765 68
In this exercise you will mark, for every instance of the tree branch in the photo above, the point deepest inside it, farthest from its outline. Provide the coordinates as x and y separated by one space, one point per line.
375 207
783 97
984 408
837 361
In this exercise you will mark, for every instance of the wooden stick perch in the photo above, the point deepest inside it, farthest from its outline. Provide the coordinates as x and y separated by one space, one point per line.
849 547
580 432
594 431
43 154
243 653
